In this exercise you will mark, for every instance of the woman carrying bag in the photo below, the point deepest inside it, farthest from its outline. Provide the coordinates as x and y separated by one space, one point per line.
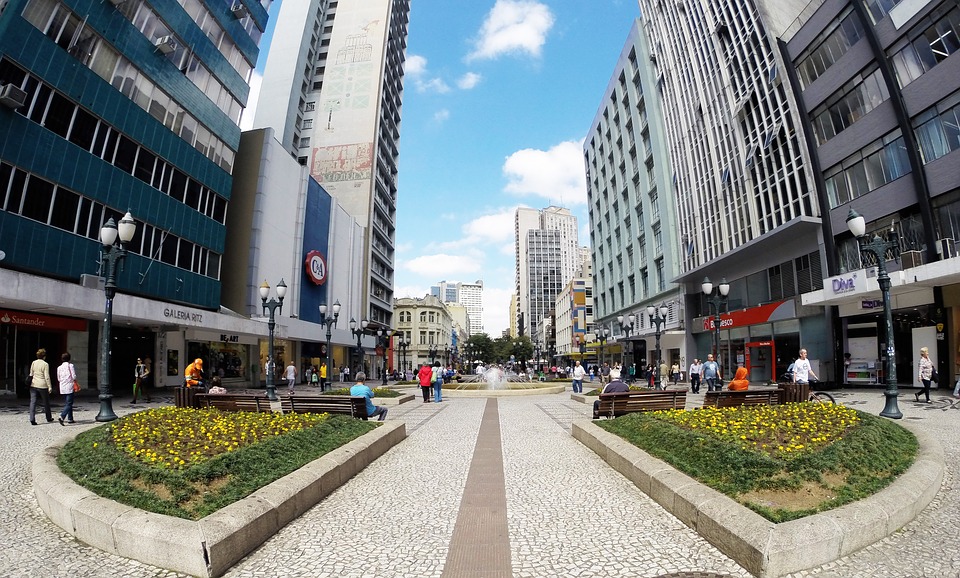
40 386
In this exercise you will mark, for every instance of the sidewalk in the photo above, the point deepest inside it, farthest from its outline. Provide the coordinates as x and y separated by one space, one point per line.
566 512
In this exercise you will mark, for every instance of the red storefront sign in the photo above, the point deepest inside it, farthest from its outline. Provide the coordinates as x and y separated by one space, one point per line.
744 317
41 322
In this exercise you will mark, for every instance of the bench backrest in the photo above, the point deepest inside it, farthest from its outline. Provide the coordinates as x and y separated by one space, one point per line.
355 406
726 398
233 402
615 404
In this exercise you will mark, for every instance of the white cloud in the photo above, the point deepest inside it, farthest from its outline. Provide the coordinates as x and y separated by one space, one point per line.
468 81
496 310
556 174
414 291
513 26
433 85
441 115
441 265
493 228
415 65
246 119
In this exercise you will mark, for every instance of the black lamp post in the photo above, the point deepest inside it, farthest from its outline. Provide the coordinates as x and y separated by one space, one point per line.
536 356
581 347
330 323
627 329
112 255
878 247
446 355
432 352
718 301
403 344
383 340
273 305
658 316
602 334
358 331
468 351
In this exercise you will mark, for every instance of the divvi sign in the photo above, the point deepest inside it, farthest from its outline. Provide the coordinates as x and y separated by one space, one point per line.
843 283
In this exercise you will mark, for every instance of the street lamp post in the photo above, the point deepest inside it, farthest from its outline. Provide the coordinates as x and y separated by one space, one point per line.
627 329
658 316
582 348
536 356
432 352
273 305
403 344
330 324
383 339
718 301
358 331
112 255
602 334
878 247
468 351
446 355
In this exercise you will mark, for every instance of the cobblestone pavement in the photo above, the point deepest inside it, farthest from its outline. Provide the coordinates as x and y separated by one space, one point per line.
568 513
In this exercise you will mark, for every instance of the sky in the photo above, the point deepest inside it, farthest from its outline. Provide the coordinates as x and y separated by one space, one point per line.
498 98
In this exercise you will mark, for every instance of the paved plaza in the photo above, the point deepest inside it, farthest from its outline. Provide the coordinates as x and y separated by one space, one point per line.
425 508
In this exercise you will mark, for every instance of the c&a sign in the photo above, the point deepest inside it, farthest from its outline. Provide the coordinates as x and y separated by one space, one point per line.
316 267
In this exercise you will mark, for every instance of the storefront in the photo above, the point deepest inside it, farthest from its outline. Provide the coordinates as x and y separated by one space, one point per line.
22 334
226 355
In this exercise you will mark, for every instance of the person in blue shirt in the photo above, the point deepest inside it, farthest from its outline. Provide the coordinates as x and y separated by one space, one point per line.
360 389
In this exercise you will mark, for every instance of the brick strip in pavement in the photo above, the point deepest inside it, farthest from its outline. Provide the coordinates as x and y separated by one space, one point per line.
480 545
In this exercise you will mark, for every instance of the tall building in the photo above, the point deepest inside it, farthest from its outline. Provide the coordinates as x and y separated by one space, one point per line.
470 295
332 89
633 216
878 85
109 107
547 256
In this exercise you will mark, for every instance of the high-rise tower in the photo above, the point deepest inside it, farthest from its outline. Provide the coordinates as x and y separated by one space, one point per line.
332 90
547 258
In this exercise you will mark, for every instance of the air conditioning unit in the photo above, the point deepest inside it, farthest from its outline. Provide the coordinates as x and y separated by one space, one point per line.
166 44
12 97
92 282
239 10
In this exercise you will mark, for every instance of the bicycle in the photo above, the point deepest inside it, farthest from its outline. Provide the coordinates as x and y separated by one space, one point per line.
819 396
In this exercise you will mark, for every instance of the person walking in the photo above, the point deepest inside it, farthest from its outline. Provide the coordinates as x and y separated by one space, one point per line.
360 389
802 372
40 385
323 376
578 374
711 374
290 374
437 375
66 377
925 375
675 373
695 369
140 373
425 377
664 374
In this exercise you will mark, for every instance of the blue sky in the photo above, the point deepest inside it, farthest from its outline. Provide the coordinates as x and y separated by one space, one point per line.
498 97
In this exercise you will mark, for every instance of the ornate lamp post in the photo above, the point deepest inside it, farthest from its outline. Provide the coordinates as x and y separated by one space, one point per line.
878 247
602 334
432 352
719 302
273 305
537 351
403 344
468 351
581 347
330 323
359 331
111 256
627 328
658 316
446 354
383 340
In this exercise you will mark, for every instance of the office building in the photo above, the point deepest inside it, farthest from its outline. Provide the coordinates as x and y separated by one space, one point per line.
332 89
547 257
109 107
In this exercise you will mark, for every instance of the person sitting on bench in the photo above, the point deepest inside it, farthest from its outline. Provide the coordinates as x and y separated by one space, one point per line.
616 385
360 389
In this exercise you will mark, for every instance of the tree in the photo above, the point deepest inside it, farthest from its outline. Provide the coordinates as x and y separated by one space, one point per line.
483 347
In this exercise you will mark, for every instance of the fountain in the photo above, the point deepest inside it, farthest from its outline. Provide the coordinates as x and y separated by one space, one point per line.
495 380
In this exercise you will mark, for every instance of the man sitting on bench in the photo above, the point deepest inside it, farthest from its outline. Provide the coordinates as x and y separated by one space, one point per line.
616 385
360 389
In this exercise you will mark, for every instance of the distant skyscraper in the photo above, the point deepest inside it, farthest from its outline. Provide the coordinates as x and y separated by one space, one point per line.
332 90
470 295
547 258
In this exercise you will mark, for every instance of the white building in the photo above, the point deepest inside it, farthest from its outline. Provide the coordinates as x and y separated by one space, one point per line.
332 90
547 257
470 295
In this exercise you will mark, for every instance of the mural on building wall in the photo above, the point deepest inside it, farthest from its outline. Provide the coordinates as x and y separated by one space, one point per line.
343 163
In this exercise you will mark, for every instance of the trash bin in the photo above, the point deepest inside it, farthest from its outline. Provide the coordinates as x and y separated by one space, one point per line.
793 392
186 396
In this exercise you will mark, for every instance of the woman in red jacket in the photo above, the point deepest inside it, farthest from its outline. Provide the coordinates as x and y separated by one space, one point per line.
425 377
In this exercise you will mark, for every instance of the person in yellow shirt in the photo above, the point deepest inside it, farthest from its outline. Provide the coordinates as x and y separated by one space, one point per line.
323 377
193 374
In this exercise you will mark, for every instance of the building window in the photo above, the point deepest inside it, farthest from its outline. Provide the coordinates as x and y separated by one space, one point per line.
931 47
938 130
827 48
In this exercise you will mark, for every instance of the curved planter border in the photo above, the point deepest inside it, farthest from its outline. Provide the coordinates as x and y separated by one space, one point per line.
766 549
210 546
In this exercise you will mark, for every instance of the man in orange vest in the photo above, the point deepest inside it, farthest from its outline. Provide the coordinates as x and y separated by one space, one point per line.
193 375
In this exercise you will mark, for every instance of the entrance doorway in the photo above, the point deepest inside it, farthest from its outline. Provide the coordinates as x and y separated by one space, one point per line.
760 361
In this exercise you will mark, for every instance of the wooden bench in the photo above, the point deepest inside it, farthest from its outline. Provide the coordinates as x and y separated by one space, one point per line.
233 401
727 398
354 406
621 403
